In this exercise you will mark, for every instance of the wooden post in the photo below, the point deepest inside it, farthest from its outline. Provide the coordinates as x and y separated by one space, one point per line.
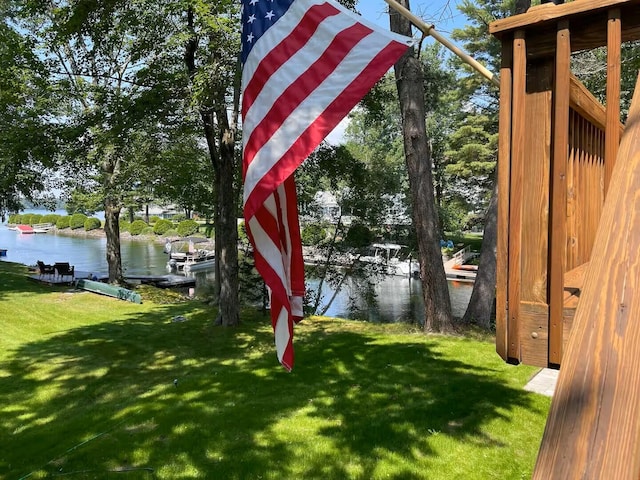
518 115
593 428
558 227
612 132
504 172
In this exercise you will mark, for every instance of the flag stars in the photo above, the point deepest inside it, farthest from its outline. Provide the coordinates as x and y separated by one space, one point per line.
270 15
253 2
250 38
251 19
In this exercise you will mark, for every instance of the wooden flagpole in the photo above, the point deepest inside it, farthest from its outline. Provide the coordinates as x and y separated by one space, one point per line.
430 30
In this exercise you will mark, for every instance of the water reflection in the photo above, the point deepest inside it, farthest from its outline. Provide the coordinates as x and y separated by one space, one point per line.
385 299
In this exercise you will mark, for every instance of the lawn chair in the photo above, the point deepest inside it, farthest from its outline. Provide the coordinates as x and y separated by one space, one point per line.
63 270
45 269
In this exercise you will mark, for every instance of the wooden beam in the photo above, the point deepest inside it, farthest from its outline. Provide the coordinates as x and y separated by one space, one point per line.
549 12
515 194
559 158
504 169
612 132
593 428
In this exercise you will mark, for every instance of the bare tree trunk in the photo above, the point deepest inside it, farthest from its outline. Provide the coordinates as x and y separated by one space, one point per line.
480 306
410 83
224 165
112 232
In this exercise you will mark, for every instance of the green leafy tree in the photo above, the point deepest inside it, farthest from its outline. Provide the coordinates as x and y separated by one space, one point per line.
112 67
27 133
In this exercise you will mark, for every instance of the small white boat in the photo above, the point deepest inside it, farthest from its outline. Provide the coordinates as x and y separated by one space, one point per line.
206 262
184 257
42 227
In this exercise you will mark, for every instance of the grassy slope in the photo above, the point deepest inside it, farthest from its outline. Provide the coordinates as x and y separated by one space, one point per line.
87 388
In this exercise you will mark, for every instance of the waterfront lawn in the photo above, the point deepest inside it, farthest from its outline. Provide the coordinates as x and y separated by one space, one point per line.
87 388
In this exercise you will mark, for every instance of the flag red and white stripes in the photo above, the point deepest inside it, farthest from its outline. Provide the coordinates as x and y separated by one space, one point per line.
306 64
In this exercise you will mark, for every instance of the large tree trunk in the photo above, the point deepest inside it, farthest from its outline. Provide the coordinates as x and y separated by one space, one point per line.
223 163
112 232
480 306
226 227
410 83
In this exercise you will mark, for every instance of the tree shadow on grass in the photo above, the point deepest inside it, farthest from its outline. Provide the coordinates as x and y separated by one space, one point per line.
102 399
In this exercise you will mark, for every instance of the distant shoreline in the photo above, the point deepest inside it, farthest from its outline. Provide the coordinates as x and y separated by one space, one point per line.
126 236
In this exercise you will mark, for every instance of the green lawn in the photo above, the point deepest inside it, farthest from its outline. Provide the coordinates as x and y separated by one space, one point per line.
87 388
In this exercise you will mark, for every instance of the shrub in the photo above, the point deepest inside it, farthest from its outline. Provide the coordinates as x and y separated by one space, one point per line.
50 218
313 234
63 222
15 218
154 219
36 218
147 231
187 227
179 217
137 227
26 219
124 225
77 220
358 236
172 232
92 223
162 226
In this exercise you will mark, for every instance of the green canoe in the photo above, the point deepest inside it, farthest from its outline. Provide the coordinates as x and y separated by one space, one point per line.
110 290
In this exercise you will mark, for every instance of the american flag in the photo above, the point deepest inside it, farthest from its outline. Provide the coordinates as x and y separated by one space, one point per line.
299 79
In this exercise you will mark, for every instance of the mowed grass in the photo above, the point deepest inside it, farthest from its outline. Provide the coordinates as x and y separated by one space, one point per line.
87 389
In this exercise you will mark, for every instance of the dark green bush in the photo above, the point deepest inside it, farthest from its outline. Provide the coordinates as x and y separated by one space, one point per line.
124 225
50 218
313 234
137 227
92 223
358 236
147 231
187 227
172 232
63 222
26 219
36 218
179 217
154 219
15 218
162 226
77 221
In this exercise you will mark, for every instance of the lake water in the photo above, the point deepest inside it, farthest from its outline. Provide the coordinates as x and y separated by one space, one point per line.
381 299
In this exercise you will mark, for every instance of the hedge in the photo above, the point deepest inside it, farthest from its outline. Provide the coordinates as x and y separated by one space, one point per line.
77 221
63 222
92 223
162 226
187 227
137 227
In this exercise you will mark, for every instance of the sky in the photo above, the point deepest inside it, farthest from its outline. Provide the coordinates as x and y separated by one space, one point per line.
441 13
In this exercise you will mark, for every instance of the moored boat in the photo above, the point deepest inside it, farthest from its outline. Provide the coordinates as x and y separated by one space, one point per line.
185 257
